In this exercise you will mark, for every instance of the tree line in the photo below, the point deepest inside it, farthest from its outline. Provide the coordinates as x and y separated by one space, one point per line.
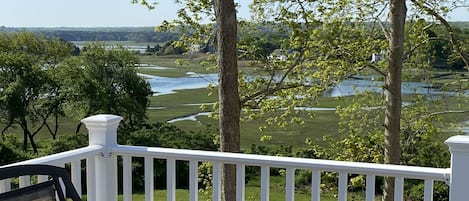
142 34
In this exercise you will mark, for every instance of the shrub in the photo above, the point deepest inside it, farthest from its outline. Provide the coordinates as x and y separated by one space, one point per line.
10 151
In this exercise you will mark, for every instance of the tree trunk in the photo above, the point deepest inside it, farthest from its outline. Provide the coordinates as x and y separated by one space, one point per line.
27 134
392 149
225 13
56 128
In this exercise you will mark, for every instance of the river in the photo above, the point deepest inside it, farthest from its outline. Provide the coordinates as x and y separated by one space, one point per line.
166 85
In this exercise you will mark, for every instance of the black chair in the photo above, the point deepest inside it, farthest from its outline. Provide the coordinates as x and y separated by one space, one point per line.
50 190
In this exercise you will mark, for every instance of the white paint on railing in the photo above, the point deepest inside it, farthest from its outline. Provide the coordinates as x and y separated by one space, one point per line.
64 157
265 183
216 181
290 184
102 130
24 181
240 180
107 165
413 172
370 187
5 185
149 185
42 178
428 190
459 148
287 162
398 189
62 185
193 180
315 185
342 185
127 177
171 179
75 168
90 179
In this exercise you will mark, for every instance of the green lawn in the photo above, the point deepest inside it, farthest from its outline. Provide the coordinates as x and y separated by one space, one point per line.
252 193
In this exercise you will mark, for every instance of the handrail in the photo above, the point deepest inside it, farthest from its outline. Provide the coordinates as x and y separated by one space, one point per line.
411 172
63 157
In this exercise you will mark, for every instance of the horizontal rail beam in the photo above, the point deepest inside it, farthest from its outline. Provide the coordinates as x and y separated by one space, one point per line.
63 157
411 172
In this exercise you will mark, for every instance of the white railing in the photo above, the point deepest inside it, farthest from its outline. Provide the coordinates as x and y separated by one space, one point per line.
101 158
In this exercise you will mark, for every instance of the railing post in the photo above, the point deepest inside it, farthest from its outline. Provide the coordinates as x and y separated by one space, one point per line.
102 131
459 181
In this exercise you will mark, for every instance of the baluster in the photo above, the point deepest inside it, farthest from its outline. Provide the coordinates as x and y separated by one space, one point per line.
42 178
149 185
240 180
90 179
76 175
399 189
290 184
428 190
216 194
370 187
315 185
193 180
25 181
127 177
265 183
171 179
343 186
5 185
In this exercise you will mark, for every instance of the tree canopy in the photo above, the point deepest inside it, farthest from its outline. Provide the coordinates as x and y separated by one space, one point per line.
41 82
106 81
28 94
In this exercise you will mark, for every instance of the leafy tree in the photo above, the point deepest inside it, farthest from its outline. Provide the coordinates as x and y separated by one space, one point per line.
105 81
329 41
170 48
352 18
28 94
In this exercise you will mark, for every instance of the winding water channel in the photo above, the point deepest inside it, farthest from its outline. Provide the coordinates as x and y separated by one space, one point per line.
166 85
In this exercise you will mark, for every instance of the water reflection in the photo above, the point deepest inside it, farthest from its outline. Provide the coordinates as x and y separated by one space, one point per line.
165 85
190 117
363 84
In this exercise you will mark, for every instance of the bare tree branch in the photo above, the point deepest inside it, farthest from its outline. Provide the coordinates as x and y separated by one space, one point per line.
446 112
408 53
279 85
383 28
379 71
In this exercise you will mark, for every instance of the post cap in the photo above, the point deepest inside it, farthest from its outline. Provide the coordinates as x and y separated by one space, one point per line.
102 119
458 143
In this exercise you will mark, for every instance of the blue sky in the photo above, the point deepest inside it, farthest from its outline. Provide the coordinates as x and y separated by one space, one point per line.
103 13
87 13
